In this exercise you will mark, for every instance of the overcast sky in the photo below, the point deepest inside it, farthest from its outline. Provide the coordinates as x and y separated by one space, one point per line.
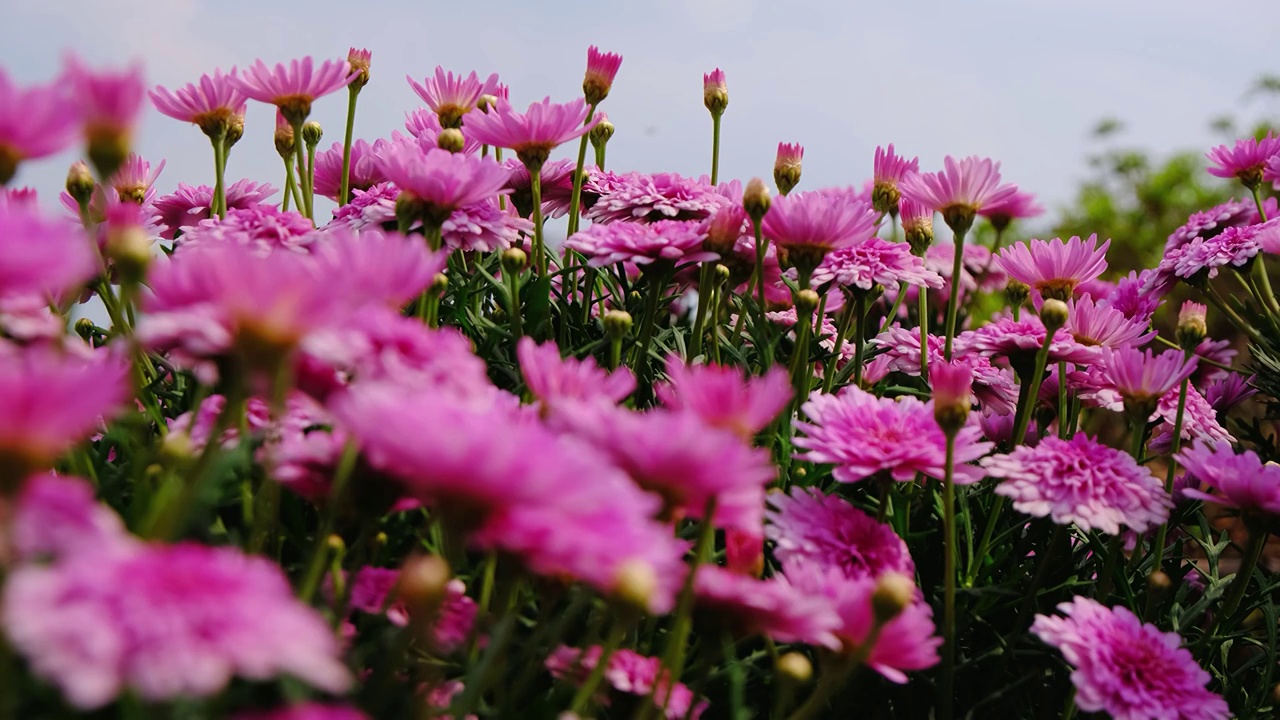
1021 81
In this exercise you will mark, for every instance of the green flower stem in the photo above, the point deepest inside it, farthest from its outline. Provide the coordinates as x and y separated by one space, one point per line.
1062 400
1115 548
344 187
617 631
946 689
757 282
311 182
657 281
953 305
893 309
219 204
846 319
706 276
291 189
304 203
1162 533
859 333
1042 569
1248 563
600 157
575 200
801 369
1218 302
539 251
923 311
512 281
320 550
715 148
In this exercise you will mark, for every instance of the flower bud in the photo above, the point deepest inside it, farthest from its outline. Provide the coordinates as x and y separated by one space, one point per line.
635 585
1158 583
894 592
617 323
602 68
336 544
1016 293
514 260
380 540
795 667
807 301
715 93
284 137
235 130
439 284
80 182
1053 314
755 199
85 328
360 61
952 394
176 449
799 472
885 197
108 148
1191 325
485 102
723 273
311 133
920 238
451 139
424 580
602 132
129 249
723 230
786 168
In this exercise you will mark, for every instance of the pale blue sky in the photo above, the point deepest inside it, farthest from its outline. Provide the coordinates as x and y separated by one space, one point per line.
1022 81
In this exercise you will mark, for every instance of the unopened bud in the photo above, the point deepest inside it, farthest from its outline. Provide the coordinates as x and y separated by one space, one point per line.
636 583
1053 314
235 130
920 238
80 182
602 132
439 284
715 93
1191 325
755 199
795 667
1158 583
807 301
284 141
799 472
894 592
85 329
786 168
617 323
1016 293
722 273
130 250
451 139
311 133
485 102
336 544
424 579
176 449
360 61
885 197
380 540
108 148
514 260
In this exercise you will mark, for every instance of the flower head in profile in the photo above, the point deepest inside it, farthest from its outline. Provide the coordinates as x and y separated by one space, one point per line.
34 122
424 125
534 133
554 380
1084 482
1018 206
156 608
1127 668
187 206
806 226
723 397
1245 161
666 242
293 87
890 168
1055 268
1199 421
210 104
746 607
1131 298
440 180
1142 378
41 256
262 228
602 68
809 527
363 171
109 102
873 261
452 96
715 92
360 59
960 190
1228 391
1207 223
1098 324
1238 480
134 179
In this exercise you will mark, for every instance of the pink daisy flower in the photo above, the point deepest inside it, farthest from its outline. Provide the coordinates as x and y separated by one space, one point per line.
648 198
723 397
1018 206
134 179
154 610
807 226
1055 268
1141 378
1130 298
198 426
811 528
872 262
424 125
1020 340
293 88
1207 223
374 591
861 435
775 609
58 517
484 227
441 180
1084 482
188 206
109 103
305 711
602 68
1228 391
629 673
534 133
553 380
452 96
1126 668
1271 173
39 256
1199 422
1202 257
1245 160
1240 481
961 189
263 229
890 168
34 122
211 104
363 172
1100 325
556 185
993 387
666 242
374 207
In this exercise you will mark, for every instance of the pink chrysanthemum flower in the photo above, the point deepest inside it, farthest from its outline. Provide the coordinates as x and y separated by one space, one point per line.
993 387
34 122
534 133
648 198
187 206
960 190
890 168
723 397
134 179
1100 325
305 711
293 88
1228 391
441 180
1245 161
1055 268
1271 173
155 610
1240 481
746 607
1235 246
1141 378
915 216
424 125
57 517
363 172
1020 340
211 104
1199 422
666 242
905 643
1084 482
863 435
483 227
556 185
809 527
452 96
109 104
198 426
1130 298
602 68
375 207
554 381
40 256
872 262
264 229
1207 223
303 448
1018 206
629 673
1128 669
374 591
807 226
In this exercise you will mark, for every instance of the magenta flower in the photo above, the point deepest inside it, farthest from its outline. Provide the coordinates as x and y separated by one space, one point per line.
39 256
1229 391
198 426
1141 378
1055 268
890 168
1207 223
58 517
715 92
553 380
363 173
1245 161
602 68
722 397
863 435
211 104
1018 206
109 104
1100 325
374 591
629 673
1130 298
187 206
424 125
134 179
806 226
261 228
441 180
305 711
452 96
1020 341
810 528
647 198
961 189
915 217
871 262
1199 422
534 133
34 122
484 227
1126 668
1084 482
952 385
555 182
1271 173
993 387
1240 481
775 609
375 207
292 89
360 59
787 166
156 609
666 242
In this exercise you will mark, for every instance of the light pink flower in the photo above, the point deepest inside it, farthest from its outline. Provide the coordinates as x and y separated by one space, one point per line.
1142 377
667 242
40 256
534 133
775 609
424 125
442 180
556 186
109 101
553 380
294 87
374 591
811 224
452 96
890 168
871 262
34 122
1199 421
1100 325
262 229
1245 160
637 197
629 673
363 171
187 206
211 103
1055 268
57 517
809 527
967 185
1240 481
1018 206
723 397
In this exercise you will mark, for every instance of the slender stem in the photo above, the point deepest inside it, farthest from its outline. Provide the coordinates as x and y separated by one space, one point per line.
657 281
1219 303
1026 406
512 279
539 252
1042 569
600 157
304 203
924 333
715 148
674 657
846 319
219 164
1248 563
1162 533
617 631
893 309
1062 399
801 369
762 246
575 200
292 185
859 318
315 565
311 182
954 302
717 302
946 689
344 187
704 297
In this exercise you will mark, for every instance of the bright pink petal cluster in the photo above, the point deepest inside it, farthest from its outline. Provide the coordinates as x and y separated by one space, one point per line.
669 242
211 103
811 528
1245 160
1240 480
970 183
629 673
648 198
723 397
775 609
1055 268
